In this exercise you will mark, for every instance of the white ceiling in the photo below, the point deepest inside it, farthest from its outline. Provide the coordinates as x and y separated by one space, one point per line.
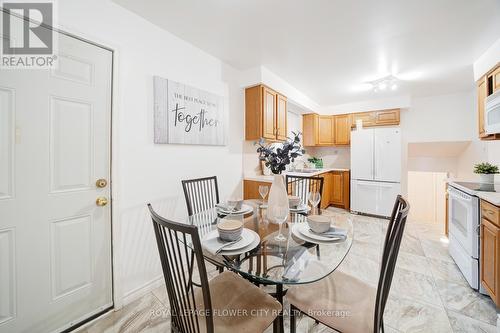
328 48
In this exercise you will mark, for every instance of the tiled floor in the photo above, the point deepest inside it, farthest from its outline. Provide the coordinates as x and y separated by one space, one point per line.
428 293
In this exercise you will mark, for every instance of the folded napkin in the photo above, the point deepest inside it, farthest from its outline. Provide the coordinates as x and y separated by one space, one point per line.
333 232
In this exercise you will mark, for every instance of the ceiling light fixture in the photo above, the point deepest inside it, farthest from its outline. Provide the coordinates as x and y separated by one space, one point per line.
382 84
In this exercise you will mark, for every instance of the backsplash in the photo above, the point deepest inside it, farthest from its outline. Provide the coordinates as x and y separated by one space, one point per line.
333 157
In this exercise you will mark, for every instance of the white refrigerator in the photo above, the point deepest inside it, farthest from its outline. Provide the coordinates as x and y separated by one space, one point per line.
375 170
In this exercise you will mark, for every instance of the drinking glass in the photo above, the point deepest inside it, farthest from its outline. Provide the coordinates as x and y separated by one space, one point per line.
280 214
263 190
314 199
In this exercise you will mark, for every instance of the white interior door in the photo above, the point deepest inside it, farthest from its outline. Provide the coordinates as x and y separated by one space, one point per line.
387 154
362 154
55 242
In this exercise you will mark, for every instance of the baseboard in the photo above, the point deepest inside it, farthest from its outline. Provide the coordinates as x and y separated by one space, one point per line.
138 292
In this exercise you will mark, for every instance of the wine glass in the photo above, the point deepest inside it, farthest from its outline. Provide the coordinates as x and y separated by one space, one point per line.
263 190
314 199
280 214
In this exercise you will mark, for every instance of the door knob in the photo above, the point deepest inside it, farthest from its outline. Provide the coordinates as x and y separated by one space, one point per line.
101 201
101 183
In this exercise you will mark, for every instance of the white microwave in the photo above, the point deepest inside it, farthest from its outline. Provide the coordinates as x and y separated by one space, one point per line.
492 114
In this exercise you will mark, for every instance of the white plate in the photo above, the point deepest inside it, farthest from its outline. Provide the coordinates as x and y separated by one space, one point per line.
211 241
244 210
300 209
301 230
250 247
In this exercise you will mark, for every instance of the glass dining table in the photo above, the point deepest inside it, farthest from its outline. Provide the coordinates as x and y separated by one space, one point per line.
266 261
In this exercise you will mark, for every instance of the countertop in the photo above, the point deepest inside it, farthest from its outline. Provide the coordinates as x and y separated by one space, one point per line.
269 179
491 197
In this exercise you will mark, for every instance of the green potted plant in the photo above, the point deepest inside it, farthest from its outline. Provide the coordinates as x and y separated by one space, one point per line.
318 162
486 172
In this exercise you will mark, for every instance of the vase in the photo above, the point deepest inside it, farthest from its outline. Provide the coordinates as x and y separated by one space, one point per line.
486 178
278 197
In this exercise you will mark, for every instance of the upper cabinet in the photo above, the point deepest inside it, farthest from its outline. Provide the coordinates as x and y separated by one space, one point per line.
265 114
281 116
481 95
342 129
486 86
325 130
495 77
377 118
320 130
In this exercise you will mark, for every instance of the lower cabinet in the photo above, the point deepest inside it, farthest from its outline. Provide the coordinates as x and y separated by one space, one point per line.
489 258
336 189
251 189
340 189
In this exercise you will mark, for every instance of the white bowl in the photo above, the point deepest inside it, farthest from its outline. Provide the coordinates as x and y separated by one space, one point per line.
236 203
230 230
318 223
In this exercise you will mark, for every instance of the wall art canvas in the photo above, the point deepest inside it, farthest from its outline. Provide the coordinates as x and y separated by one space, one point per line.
187 115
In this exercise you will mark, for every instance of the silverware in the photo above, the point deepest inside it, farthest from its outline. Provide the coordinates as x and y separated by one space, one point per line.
227 244
329 234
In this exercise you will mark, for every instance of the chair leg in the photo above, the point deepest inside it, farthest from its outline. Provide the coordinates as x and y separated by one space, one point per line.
220 269
293 327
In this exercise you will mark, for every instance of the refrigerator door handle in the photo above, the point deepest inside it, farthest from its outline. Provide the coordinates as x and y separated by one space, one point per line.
374 166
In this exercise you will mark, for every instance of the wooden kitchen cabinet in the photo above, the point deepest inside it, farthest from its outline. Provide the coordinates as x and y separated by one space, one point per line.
377 118
387 117
342 129
340 196
496 79
490 250
489 258
281 116
481 95
368 119
265 114
325 131
320 130
251 189
327 190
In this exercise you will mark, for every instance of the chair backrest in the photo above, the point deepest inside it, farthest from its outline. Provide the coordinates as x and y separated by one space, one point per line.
302 185
392 244
201 194
178 263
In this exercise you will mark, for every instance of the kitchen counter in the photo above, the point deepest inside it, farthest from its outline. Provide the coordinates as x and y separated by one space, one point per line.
491 197
269 179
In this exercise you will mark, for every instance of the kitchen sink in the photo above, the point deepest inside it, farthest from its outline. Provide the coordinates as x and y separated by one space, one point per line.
306 170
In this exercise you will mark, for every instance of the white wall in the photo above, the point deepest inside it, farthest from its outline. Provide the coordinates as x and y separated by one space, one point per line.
440 118
397 102
261 74
487 60
145 172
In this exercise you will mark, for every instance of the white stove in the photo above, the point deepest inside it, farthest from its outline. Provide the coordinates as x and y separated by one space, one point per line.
464 229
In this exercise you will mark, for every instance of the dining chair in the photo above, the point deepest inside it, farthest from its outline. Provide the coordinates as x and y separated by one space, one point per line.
345 303
227 303
200 194
301 186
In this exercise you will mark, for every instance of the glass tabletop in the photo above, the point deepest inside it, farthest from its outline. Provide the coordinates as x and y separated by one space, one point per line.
292 261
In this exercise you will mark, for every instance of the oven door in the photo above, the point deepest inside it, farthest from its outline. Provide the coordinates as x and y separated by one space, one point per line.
463 220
